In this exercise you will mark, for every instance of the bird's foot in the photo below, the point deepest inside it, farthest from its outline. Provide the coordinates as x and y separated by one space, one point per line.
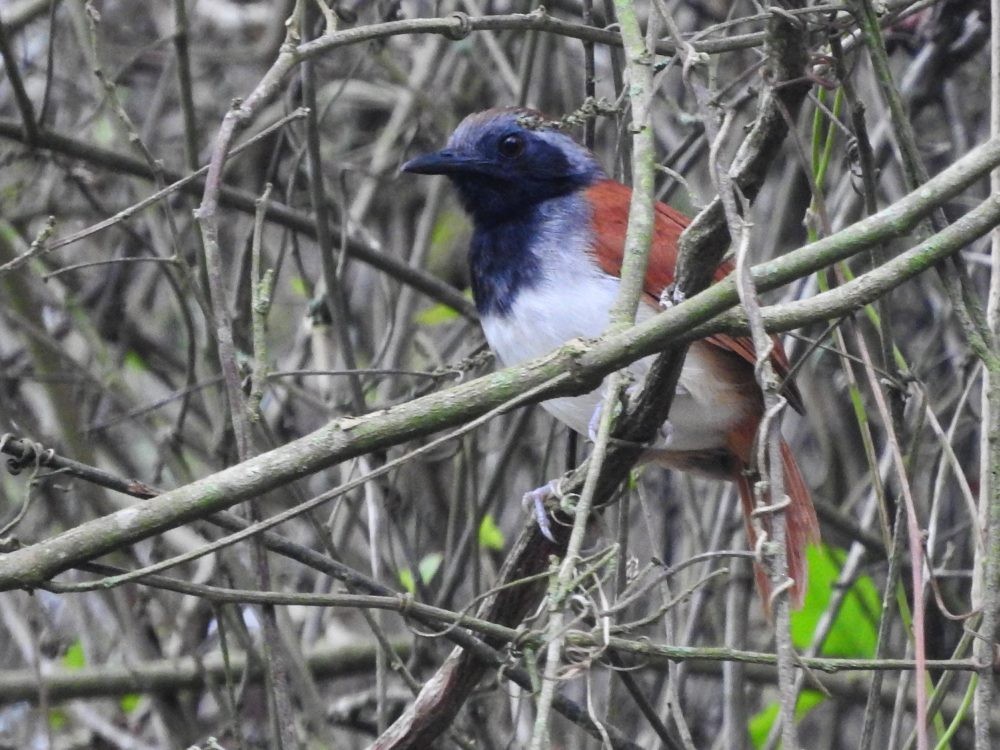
670 296
665 432
534 500
663 436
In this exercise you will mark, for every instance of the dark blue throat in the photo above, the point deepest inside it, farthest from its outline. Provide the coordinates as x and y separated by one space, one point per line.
509 256
503 261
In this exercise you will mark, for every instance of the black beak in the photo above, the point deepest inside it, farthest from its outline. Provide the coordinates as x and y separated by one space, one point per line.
439 162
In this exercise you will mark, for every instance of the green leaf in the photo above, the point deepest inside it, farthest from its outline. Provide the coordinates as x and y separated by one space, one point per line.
760 723
427 567
299 286
490 536
633 479
57 718
853 633
406 580
129 702
436 315
446 230
74 658
134 361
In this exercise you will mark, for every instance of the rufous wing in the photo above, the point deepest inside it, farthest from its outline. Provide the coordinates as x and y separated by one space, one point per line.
610 201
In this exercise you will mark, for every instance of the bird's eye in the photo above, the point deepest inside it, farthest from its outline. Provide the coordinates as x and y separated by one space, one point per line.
511 146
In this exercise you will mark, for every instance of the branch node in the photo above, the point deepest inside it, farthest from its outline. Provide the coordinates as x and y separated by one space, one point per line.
463 27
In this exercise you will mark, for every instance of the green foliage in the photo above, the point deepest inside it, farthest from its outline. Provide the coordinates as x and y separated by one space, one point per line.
427 567
436 315
853 633
129 702
74 658
134 361
406 580
632 482
57 719
760 725
490 535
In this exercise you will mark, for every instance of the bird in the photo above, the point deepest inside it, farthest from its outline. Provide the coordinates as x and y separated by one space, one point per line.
545 261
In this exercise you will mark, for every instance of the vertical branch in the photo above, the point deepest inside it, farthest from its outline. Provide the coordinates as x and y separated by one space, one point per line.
589 135
987 565
376 533
526 65
208 220
618 75
185 83
734 708
866 162
260 305
50 64
589 87
336 300
638 237
207 215
770 493
21 97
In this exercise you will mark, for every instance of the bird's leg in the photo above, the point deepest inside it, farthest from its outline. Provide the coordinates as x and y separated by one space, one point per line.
595 418
631 392
535 501
595 421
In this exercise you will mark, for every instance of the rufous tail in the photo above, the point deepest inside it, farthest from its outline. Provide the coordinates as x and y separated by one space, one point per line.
801 528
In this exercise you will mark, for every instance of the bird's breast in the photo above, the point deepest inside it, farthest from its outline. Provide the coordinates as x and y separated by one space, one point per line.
542 318
711 397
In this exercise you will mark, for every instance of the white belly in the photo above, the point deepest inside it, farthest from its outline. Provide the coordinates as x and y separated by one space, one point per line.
545 317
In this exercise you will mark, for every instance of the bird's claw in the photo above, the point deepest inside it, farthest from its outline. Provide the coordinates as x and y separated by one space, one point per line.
670 296
535 501
595 422
666 431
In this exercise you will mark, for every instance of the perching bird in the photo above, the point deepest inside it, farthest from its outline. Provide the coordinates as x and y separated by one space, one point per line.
545 260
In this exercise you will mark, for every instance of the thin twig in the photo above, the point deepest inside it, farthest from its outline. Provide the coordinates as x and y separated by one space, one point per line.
21 98
987 564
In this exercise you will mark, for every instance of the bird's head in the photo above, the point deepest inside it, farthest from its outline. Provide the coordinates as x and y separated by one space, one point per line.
504 161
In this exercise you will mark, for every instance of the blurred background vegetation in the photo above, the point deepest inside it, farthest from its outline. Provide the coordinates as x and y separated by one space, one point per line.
109 357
